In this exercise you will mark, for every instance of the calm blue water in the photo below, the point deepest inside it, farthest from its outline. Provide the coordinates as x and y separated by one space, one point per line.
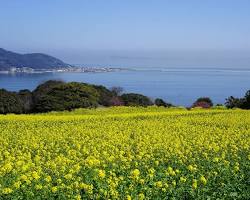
178 86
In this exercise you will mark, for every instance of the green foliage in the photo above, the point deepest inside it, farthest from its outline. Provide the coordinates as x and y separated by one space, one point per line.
243 103
45 88
10 103
133 99
161 102
26 98
205 99
246 103
204 102
66 96
247 96
105 95
232 102
56 95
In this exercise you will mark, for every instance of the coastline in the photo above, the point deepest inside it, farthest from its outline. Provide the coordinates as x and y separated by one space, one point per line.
63 70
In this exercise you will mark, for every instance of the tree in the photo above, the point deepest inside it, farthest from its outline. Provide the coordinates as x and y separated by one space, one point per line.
161 102
232 102
10 102
246 103
117 91
247 96
133 99
47 85
116 101
105 95
243 103
203 102
67 96
26 98
44 88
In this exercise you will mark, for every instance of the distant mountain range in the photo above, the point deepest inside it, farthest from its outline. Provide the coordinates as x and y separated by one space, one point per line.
36 61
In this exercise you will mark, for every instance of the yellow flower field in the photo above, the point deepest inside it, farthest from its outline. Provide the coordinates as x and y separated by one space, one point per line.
126 153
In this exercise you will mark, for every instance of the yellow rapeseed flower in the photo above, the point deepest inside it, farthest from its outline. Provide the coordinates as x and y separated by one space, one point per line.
203 180
17 184
54 189
124 153
159 184
141 196
7 190
194 185
38 186
35 175
101 173
68 176
135 173
183 179
48 179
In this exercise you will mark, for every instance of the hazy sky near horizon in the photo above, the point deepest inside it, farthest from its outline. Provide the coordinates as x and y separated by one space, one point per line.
80 30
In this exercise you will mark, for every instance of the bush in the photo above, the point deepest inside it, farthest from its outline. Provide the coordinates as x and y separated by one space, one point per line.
232 102
116 101
161 102
43 89
47 86
10 103
132 99
67 96
26 98
243 103
246 102
203 102
105 95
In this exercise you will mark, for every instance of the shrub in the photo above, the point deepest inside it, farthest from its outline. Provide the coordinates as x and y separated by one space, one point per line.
27 100
43 89
105 95
67 96
47 86
133 99
116 101
10 102
232 102
203 102
244 103
161 102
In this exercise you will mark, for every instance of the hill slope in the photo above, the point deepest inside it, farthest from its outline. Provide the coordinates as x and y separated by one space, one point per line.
36 61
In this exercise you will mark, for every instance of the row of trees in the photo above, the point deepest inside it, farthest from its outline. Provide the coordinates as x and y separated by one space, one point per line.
231 102
243 103
58 96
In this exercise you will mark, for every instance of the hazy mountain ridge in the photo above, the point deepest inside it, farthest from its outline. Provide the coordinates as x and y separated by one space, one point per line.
35 61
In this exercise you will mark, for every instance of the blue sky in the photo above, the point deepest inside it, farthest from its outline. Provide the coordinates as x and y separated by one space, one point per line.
71 28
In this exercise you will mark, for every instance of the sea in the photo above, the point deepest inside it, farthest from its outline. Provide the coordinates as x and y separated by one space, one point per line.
178 85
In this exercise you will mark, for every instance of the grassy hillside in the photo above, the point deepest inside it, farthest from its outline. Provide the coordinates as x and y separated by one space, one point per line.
126 153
